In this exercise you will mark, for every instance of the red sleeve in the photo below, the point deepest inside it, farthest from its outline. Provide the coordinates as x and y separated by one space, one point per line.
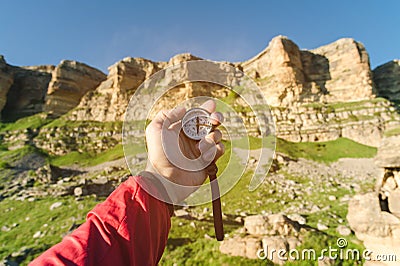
129 228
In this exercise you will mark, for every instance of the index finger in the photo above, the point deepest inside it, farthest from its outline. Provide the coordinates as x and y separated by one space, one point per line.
209 106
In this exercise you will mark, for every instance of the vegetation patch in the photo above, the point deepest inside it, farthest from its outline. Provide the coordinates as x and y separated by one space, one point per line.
90 159
31 122
392 132
21 220
328 151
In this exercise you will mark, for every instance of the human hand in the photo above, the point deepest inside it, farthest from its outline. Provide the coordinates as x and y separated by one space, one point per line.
172 156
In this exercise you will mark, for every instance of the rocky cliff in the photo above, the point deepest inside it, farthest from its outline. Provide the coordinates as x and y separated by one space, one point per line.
337 72
29 90
315 95
70 81
6 80
26 94
387 80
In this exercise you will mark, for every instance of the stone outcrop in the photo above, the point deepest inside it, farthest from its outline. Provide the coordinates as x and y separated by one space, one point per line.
336 72
110 99
278 71
350 76
388 155
264 236
375 216
28 91
387 80
70 81
363 121
6 80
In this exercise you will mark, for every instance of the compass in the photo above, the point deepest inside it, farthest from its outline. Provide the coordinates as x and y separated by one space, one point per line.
196 123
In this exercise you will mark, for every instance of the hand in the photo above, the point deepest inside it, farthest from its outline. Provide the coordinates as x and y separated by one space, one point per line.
170 151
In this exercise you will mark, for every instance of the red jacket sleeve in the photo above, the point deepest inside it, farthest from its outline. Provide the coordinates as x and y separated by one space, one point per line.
129 228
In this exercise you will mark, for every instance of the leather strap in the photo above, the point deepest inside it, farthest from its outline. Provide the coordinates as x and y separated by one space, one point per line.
216 203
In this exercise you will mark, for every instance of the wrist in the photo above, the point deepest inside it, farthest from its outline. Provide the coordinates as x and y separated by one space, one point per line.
155 188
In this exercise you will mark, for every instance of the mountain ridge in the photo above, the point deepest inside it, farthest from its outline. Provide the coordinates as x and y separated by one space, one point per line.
304 88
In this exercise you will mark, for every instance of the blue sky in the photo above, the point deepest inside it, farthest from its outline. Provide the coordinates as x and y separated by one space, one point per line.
99 34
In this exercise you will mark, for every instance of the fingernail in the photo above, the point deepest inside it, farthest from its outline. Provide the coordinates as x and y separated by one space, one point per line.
217 118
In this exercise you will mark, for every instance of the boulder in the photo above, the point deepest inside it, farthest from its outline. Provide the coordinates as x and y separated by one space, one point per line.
274 224
379 230
244 247
388 155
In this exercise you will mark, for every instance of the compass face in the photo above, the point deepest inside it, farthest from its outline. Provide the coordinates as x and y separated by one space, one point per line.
196 123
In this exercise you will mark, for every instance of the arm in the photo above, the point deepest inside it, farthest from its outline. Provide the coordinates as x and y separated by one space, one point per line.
129 228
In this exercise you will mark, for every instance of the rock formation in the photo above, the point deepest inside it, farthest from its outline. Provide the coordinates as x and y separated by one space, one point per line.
330 86
27 92
350 76
33 89
314 95
6 80
268 234
337 72
110 99
387 80
70 81
375 216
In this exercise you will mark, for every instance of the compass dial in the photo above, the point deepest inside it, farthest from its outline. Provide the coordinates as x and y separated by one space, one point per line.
196 123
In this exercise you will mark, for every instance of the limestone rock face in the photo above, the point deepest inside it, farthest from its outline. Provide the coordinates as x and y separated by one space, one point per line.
70 81
350 77
6 80
336 72
27 93
387 80
109 100
278 71
179 58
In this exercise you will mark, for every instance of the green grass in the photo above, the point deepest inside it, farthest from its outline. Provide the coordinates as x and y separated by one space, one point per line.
90 159
328 151
10 156
63 122
25 218
392 132
344 105
32 122
251 142
201 252
187 244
